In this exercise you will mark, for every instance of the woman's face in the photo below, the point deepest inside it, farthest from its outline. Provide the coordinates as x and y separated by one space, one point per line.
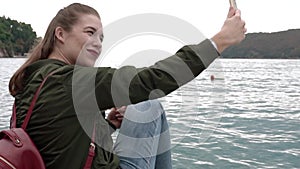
83 43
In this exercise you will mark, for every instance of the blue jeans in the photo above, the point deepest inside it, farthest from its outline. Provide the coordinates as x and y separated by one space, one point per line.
143 141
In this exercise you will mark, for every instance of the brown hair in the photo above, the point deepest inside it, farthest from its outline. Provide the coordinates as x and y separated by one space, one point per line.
65 18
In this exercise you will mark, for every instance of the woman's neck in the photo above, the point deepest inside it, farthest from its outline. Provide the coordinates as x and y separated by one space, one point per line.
58 55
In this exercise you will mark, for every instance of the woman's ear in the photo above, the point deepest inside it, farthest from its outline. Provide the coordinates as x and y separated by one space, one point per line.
59 34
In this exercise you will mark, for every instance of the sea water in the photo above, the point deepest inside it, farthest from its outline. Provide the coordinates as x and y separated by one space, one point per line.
247 116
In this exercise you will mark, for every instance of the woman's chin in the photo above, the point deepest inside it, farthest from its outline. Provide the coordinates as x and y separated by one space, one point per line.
87 60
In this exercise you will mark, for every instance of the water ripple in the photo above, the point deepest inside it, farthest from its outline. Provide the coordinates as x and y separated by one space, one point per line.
248 118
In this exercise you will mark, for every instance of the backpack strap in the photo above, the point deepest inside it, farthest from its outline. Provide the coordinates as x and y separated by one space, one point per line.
91 154
32 104
92 147
13 119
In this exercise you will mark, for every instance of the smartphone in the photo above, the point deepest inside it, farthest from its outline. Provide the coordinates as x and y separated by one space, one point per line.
233 3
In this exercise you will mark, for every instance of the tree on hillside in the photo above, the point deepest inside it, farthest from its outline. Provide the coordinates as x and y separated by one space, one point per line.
16 38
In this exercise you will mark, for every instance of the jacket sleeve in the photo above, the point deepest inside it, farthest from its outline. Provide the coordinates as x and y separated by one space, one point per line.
129 85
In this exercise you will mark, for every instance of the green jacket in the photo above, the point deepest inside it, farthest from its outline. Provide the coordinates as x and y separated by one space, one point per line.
70 101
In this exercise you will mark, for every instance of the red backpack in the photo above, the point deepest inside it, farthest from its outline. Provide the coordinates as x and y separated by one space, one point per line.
17 150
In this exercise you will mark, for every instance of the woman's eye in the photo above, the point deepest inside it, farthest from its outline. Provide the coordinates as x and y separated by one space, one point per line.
90 32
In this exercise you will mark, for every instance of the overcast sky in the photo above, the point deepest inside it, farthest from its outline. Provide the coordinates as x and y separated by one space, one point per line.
207 16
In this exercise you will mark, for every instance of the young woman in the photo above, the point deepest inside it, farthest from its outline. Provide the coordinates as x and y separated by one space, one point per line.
67 110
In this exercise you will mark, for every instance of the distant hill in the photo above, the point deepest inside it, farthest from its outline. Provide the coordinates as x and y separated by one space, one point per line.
277 45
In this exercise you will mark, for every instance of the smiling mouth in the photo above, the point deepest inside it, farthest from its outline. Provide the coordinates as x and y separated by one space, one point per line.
94 53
